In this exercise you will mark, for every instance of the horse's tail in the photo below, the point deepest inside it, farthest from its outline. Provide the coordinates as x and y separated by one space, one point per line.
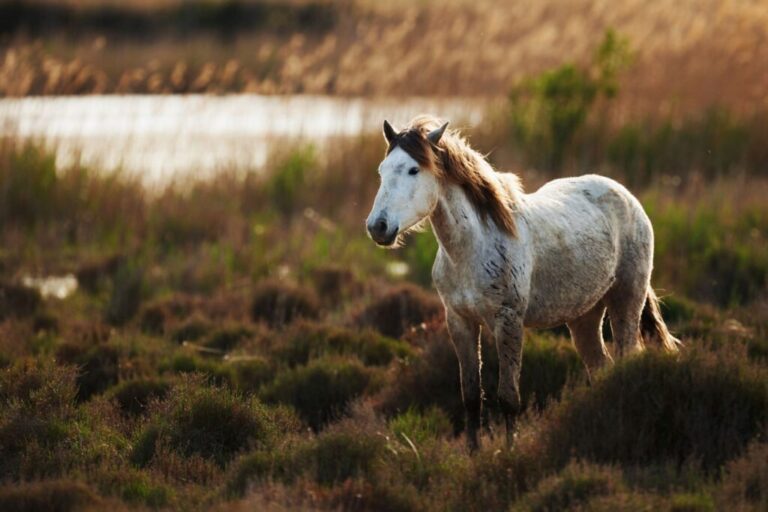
652 326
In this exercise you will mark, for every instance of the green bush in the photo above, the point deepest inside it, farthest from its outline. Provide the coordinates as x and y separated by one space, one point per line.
42 432
399 309
338 455
125 299
98 366
744 485
287 183
572 488
49 495
249 374
702 407
420 427
18 301
134 396
306 341
28 194
278 303
549 110
432 378
211 422
321 390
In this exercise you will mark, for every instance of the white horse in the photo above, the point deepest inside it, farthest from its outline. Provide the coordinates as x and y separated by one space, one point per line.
508 260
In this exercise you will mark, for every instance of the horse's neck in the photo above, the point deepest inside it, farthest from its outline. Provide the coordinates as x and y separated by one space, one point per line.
456 223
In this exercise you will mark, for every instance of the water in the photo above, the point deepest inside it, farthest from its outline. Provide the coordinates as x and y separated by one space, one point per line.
161 138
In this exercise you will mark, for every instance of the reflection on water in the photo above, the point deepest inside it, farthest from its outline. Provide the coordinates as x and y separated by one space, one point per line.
161 137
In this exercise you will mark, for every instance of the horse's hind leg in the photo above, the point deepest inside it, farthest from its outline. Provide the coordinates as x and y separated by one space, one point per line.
587 335
625 306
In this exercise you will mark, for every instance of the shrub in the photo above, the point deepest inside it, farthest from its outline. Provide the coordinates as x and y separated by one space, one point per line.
28 195
287 181
136 488
227 338
192 329
340 454
98 366
125 299
249 374
656 408
572 488
429 379
93 274
48 495
322 390
432 378
186 363
210 422
335 283
306 341
17 301
421 427
744 485
42 433
281 464
400 309
134 396
278 303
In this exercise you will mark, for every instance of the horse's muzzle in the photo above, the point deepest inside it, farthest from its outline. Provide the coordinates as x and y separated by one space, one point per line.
381 232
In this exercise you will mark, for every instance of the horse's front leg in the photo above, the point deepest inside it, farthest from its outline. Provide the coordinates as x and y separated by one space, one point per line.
508 332
465 335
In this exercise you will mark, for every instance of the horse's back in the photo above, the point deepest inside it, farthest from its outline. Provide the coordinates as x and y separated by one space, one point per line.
580 229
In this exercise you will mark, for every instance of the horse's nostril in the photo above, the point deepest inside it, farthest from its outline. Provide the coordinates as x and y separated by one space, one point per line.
381 226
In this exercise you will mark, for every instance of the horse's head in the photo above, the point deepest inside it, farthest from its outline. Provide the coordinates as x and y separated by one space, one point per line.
409 188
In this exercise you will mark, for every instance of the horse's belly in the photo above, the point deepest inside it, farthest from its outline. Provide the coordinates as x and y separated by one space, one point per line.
553 309
568 281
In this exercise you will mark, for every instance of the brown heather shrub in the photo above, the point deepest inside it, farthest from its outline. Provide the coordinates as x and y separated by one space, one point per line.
399 309
278 303
42 432
49 495
134 396
191 329
432 377
322 390
334 283
93 274
209 423
744 484
303 341
18 301
700 407
572 488
97 366
136 487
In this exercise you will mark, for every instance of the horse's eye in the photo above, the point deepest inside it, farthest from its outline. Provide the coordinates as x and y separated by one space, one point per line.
413 171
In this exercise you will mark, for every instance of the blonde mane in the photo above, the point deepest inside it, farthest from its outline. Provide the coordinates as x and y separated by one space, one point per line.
454 160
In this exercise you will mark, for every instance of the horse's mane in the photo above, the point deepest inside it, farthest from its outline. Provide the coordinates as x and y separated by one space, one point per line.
454 160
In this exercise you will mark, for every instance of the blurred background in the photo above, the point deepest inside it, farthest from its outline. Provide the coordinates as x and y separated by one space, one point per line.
183 186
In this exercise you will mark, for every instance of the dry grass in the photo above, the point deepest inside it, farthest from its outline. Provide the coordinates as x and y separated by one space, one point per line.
688 54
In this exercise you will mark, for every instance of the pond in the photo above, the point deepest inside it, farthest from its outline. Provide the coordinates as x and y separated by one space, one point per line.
161 138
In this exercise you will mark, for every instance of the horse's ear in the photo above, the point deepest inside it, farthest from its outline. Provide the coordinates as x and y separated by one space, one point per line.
435 135
389 133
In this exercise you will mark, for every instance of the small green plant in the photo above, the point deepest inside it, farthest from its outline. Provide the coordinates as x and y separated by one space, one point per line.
288 180
417 427
548 111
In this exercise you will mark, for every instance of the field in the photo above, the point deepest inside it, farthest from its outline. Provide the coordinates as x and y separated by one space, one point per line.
259 352
238 343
